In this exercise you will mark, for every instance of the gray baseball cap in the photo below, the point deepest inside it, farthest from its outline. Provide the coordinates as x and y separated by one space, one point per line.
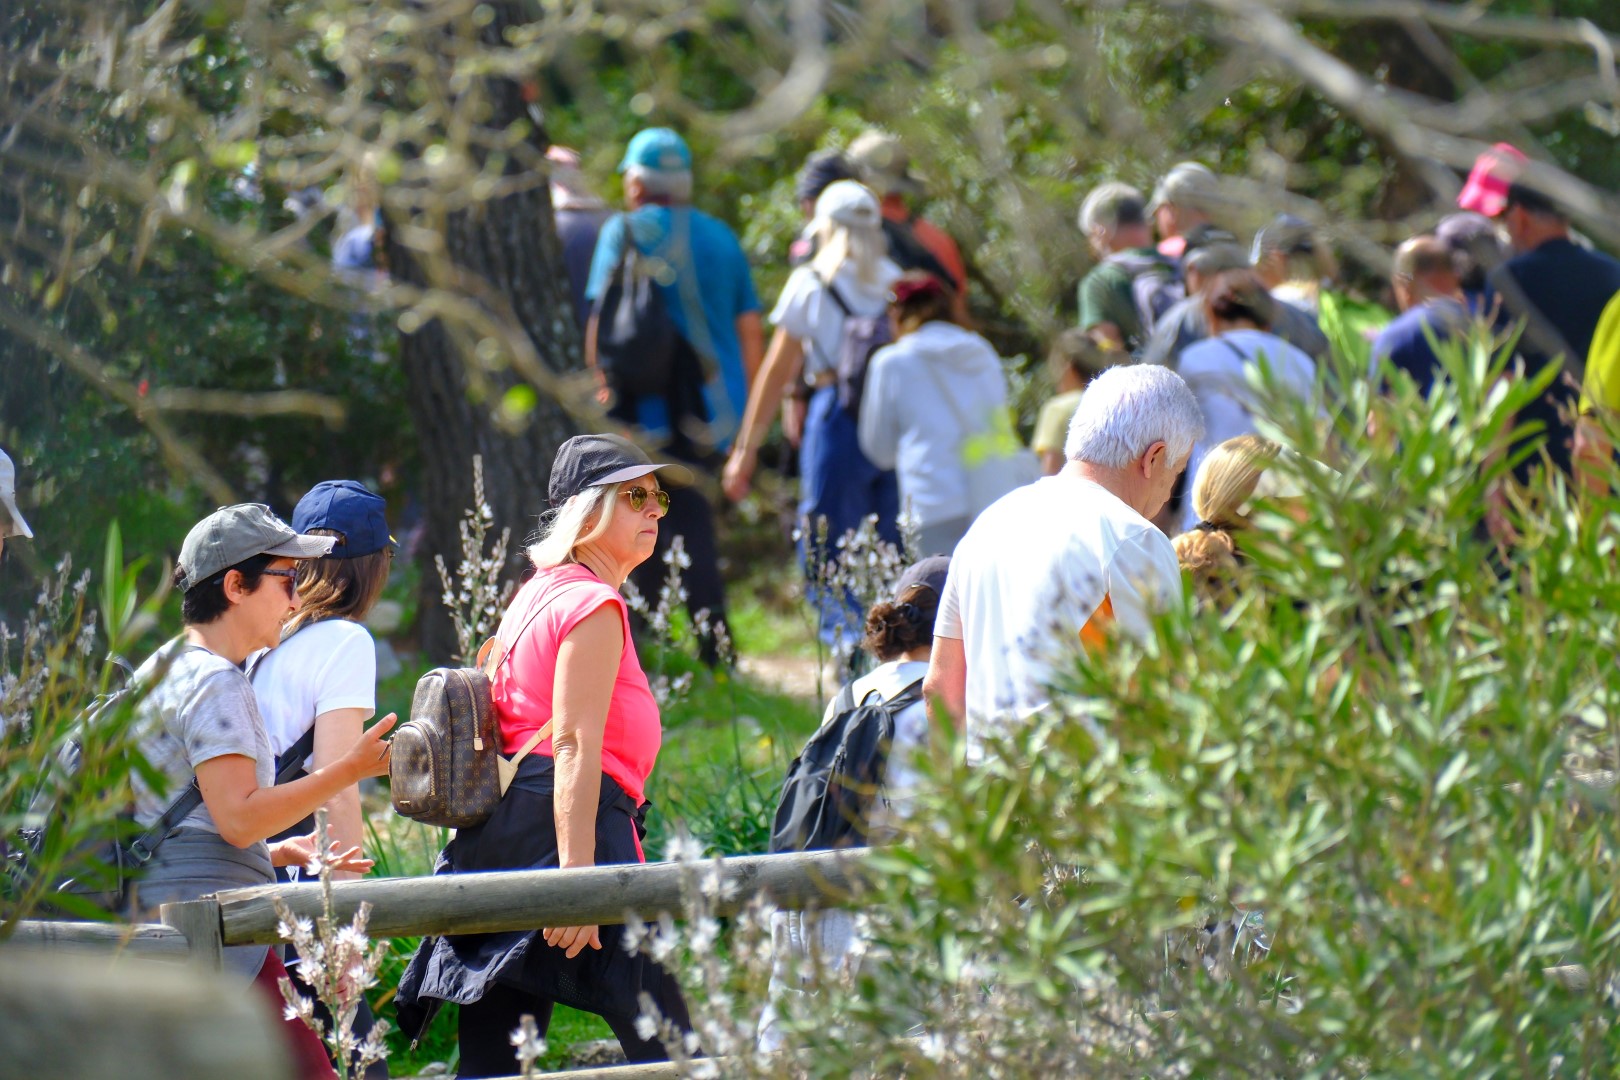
14 525
234 534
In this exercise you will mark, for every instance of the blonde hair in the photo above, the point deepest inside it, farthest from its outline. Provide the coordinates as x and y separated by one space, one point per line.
1227 478
567 528
837 244
1209 558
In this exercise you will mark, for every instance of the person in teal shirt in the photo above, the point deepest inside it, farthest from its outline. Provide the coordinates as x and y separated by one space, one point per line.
709 292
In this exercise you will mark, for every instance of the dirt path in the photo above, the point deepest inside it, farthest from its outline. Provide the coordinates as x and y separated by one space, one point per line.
796 676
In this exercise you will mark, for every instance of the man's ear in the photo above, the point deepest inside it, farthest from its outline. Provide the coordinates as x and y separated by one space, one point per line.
1156 458
233 586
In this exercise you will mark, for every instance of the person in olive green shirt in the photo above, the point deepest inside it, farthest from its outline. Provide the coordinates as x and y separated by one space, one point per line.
1114 220
1077 357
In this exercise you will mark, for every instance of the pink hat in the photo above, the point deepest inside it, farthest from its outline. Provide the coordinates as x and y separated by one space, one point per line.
1487 187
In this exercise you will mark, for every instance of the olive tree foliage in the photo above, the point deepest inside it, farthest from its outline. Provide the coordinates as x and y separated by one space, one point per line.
1358 819
142 140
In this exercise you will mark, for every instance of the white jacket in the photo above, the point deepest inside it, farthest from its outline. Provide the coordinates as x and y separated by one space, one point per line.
907 425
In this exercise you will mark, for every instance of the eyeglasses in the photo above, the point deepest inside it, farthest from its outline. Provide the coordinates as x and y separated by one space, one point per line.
638 498
291 577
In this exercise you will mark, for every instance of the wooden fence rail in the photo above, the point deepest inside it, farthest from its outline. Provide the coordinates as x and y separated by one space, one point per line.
471 903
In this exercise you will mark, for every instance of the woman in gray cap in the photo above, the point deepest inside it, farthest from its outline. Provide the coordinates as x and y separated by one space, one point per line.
575 708
200 729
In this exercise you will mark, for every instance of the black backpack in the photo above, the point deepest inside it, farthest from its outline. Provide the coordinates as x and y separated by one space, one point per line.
831 786
636 339
908 253
110 867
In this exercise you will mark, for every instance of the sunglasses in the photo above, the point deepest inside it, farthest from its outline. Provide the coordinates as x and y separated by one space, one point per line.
291 578
638 498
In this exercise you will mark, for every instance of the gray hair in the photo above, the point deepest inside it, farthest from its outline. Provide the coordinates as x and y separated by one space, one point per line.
566 529
1101 212
672 184
1127 409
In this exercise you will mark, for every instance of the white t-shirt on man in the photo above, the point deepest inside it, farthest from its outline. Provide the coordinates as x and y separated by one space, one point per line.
324 666
806 311
1035 577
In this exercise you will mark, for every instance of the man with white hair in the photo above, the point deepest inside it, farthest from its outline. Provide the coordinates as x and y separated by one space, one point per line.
1068 561
1131 285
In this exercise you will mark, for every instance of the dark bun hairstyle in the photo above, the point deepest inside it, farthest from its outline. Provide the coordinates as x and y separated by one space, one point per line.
1238 295
894 628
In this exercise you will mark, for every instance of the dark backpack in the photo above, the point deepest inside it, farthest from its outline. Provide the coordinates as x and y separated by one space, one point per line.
107 869
861 336
1156 285
636 338
908 253
831 786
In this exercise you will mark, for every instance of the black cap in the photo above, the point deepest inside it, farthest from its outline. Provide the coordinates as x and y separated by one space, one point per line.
820 169
929 573
587 461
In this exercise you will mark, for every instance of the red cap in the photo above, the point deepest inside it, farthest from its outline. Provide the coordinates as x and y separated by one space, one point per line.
1487 187
909 288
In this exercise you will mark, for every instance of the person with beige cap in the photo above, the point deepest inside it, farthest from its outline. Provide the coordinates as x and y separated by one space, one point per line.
914 243
198 727
1184 198
11 519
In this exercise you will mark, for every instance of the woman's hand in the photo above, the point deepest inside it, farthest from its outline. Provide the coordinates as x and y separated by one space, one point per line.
300 850
573 939
738 473
369 754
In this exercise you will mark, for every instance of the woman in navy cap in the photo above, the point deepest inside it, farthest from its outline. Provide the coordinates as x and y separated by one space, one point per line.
323 675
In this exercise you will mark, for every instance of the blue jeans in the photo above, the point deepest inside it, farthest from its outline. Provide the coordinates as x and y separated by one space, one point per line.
838 485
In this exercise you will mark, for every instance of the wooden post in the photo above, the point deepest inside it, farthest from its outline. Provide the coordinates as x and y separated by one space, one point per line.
153 940
199 921
75 1016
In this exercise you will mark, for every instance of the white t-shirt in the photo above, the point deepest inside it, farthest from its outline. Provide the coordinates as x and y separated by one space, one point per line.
327 665
806 311
1029 578
1216 372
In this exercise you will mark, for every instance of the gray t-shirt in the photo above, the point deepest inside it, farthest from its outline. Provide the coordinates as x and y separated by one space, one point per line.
203 708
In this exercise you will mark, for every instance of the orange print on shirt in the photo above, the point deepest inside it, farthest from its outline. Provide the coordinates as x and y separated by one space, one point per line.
1094 635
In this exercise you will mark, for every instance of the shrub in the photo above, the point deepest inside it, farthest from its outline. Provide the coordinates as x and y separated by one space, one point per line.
1346 827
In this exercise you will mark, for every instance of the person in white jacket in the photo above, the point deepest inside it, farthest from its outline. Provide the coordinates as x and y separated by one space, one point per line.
935 411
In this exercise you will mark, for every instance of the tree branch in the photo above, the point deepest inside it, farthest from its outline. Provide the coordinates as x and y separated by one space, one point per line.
182 456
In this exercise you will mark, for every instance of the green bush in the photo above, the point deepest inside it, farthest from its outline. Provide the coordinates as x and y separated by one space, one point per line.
1351 825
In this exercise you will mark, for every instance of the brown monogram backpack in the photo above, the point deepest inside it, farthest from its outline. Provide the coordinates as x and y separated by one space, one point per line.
446 766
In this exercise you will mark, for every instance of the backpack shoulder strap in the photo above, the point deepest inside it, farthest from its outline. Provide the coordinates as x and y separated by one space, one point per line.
905 698
837 298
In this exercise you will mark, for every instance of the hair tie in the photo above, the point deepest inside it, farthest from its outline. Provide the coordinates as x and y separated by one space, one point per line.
909 612
908 289
1209 526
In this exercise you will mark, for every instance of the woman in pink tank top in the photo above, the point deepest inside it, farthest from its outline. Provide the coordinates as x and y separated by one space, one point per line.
579 798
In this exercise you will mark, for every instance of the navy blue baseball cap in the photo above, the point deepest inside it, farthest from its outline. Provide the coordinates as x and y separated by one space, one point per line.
345 506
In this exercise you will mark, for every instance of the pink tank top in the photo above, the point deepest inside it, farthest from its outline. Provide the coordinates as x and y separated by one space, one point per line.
524 684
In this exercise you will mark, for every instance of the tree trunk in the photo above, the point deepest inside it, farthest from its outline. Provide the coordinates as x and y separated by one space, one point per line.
511 245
